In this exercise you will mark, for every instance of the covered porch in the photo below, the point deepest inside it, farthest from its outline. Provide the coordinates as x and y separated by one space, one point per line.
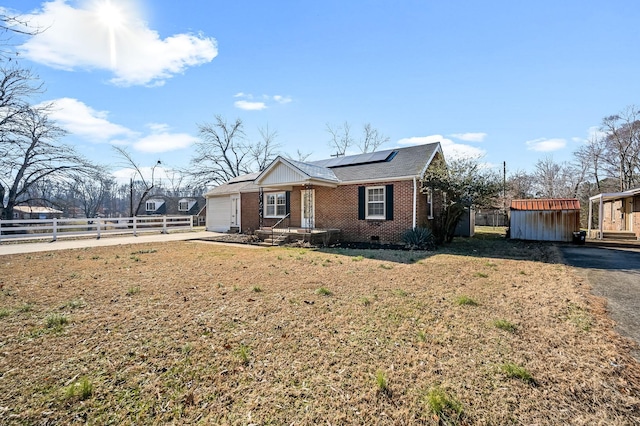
618 215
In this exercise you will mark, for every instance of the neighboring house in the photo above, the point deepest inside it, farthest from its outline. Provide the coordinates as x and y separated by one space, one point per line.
551 219
618 214
368 197
29 212
171 206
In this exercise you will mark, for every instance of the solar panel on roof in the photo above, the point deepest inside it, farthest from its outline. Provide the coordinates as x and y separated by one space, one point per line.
367 158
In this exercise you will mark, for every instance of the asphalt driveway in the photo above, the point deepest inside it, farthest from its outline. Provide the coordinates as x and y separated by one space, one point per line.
614 273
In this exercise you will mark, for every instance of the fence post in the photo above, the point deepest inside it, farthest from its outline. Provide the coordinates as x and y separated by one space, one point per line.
55 229
164 224
98 227
0 229
135 232
191 223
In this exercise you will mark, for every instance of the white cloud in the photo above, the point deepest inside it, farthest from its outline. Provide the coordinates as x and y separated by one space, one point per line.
83 121
282 99
250 106
134 53
470 137
546 145
451 149
163 142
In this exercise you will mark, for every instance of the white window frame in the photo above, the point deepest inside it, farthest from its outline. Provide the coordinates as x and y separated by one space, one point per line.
183 203
368 203
429 203
150 203
275 205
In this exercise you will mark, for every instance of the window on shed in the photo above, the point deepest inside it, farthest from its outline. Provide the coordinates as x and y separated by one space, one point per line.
151 206
183 206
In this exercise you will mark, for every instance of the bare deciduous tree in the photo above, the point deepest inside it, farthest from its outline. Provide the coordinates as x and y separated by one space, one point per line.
223 152
622 146
92 190
146 185
342 139
372 139
263 152
31 154
590 156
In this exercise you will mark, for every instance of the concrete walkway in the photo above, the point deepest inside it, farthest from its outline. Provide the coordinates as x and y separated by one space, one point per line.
62 244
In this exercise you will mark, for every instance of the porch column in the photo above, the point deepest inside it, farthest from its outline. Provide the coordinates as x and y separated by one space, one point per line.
260 208
590 218
600 219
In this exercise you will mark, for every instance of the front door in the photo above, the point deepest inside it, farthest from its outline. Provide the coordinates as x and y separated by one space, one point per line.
628 209
307 196
235 211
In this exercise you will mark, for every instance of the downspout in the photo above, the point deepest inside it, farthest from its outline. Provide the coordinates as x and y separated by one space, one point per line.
415 201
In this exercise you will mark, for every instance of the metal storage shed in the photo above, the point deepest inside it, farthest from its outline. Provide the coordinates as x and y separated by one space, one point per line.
554 219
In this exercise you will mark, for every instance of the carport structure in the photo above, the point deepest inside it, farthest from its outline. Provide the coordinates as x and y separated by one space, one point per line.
618 215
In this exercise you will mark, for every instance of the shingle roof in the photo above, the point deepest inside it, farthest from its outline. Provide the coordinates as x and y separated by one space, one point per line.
314 171
546 204
409 161
397 163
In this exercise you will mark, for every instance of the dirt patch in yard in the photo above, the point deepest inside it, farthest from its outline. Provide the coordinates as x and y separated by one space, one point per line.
485 332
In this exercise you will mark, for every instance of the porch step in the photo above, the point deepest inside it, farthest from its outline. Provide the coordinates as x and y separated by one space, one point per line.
620 235
277 241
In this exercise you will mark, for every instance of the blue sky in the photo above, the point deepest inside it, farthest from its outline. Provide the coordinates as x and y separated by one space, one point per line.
513 81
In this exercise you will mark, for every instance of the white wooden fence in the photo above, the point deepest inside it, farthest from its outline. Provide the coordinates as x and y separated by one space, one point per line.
54 228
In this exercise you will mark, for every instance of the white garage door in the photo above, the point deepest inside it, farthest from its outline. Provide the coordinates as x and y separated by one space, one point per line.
218 213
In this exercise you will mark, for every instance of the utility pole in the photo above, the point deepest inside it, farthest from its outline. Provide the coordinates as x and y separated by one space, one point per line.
131 197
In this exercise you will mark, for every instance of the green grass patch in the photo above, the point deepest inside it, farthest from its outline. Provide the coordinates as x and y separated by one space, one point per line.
147 251
505 325
133 290
323 291
56 321
243 352
81 389
382 382
579 317
465 301
4 312
515 371
444 406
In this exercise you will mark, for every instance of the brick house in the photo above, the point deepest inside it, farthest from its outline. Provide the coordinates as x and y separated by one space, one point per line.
360 198
618 215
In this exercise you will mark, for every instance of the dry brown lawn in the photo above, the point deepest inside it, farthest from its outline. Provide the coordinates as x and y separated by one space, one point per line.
485 331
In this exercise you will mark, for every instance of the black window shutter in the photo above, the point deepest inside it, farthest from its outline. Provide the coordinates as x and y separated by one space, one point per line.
361 203
388 197
287 196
